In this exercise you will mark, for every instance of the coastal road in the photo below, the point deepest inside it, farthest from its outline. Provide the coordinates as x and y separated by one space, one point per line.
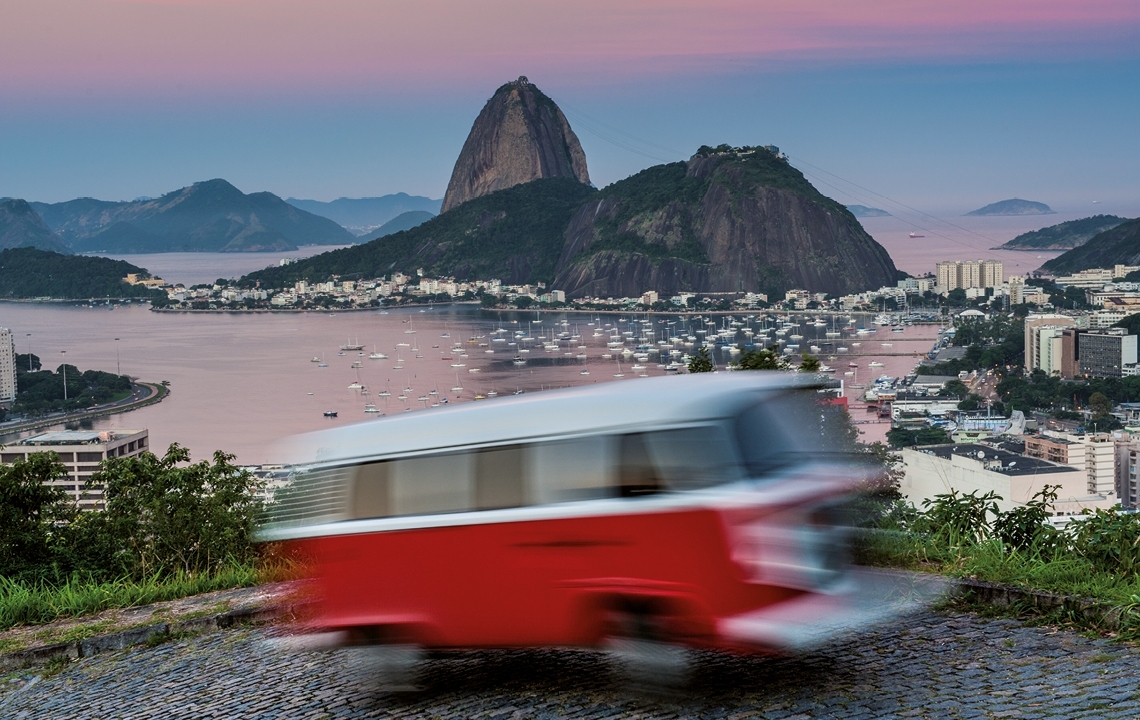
142 393
930 666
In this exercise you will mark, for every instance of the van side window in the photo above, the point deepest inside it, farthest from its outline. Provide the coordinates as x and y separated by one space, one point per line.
432 484
578 469
371 491
694 457
499 480
636 472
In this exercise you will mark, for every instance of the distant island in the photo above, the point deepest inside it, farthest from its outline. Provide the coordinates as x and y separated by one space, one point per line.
1063 236
28 273
862 211
1015 206
1118 246
365 216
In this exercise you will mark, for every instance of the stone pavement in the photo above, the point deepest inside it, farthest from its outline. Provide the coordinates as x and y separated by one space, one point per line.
929 666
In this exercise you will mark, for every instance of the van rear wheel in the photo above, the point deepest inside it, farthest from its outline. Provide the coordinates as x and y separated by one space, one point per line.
640 649
390 667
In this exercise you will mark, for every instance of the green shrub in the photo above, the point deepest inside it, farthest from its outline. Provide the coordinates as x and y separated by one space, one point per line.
1109 540
1026 528
956 520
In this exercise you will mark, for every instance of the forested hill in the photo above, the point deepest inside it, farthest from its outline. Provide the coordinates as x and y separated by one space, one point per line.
1064 236
30 273
1118 246
514 235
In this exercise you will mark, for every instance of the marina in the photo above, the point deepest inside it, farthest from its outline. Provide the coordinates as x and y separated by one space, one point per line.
243 382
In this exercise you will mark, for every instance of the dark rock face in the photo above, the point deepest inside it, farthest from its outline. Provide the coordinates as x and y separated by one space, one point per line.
519 136
21 226
722 222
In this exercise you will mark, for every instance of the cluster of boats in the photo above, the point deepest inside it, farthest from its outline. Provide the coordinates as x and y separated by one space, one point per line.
636 346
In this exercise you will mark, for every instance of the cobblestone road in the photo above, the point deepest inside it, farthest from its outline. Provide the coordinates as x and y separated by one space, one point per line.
930 666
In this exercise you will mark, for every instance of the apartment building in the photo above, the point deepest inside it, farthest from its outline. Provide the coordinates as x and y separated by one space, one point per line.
80 452
966 274
1095 454
7 366
1043 343
1105 353
938 469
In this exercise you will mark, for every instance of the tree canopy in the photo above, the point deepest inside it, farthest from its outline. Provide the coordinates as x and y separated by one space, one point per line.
31 273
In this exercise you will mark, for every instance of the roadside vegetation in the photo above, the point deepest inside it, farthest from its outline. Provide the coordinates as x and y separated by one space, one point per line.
171 528
1096 556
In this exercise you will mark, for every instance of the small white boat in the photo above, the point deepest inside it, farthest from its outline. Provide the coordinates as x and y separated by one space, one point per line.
874 363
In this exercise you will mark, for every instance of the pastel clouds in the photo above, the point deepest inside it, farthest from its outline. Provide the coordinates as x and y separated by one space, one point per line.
322 44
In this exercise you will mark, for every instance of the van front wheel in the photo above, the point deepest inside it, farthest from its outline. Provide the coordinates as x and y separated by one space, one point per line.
643 655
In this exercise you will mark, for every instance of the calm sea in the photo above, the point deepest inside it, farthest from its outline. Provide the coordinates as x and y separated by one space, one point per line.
243 382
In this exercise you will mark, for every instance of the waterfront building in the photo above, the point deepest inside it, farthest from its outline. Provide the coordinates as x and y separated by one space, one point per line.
7 367
80 452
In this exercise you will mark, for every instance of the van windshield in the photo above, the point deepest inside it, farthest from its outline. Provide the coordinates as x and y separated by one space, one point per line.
790 428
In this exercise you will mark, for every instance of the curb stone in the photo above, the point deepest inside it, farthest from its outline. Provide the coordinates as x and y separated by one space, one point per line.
87 647
1098 614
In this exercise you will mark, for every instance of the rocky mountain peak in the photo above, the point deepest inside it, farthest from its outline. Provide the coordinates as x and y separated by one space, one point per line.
519 136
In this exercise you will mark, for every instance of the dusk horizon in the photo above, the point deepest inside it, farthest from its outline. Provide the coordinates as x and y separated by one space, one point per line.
944 109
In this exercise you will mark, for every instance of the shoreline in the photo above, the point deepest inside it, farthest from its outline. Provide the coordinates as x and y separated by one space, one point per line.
158 393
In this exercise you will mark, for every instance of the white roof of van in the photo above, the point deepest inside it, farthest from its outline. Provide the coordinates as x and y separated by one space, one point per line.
610 406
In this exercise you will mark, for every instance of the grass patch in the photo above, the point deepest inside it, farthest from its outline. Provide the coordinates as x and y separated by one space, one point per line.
990 560
34 603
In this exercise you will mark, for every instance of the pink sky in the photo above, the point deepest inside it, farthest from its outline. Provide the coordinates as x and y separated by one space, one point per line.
119 45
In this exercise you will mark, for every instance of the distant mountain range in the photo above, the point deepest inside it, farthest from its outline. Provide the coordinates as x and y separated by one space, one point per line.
1063 236
1015 206
21 227
862 211
210 216
403 221
363 216
1118 246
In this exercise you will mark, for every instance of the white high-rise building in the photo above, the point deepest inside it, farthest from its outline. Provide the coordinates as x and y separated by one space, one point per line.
967 274
7 366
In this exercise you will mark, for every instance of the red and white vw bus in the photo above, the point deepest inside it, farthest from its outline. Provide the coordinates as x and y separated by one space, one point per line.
694 511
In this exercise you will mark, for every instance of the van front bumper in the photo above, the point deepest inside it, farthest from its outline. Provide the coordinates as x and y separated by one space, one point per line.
866 599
